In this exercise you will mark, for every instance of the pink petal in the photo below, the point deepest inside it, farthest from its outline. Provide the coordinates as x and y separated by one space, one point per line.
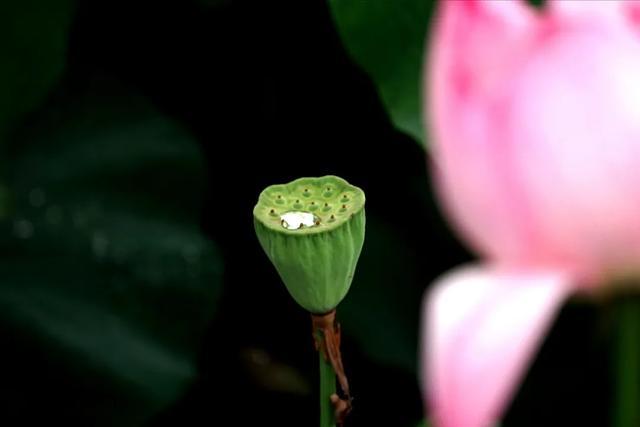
617 15
597 9
482 328
477 46
535 120
573 125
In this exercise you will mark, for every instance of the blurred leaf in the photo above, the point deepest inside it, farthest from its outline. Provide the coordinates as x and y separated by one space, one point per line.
382 308
33 43
386 38
104 266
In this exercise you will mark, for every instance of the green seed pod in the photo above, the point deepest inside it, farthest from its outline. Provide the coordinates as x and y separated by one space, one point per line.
312 230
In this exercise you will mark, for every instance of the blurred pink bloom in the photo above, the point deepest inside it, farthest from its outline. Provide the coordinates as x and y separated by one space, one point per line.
535 120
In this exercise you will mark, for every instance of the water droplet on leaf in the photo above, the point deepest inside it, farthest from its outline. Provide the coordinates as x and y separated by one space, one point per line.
23 229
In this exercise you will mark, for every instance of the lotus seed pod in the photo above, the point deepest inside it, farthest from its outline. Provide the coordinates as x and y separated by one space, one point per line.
312 230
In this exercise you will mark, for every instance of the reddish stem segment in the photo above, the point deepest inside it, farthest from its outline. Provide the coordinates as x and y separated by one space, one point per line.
326 334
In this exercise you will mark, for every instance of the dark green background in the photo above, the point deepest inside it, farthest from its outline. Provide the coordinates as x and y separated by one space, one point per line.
135 138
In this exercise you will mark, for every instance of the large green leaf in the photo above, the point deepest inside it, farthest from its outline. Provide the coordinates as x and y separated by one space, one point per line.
103 264
386 38
33 44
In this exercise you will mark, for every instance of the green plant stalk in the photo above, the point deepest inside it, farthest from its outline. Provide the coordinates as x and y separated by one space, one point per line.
627 363
327 388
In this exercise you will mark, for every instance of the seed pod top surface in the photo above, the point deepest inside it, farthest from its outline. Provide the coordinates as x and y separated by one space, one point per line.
308 205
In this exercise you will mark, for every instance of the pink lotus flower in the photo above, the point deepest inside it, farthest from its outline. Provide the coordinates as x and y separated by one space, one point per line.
535 119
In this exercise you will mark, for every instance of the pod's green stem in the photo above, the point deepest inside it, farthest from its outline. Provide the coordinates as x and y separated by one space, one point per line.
327 389
326 332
